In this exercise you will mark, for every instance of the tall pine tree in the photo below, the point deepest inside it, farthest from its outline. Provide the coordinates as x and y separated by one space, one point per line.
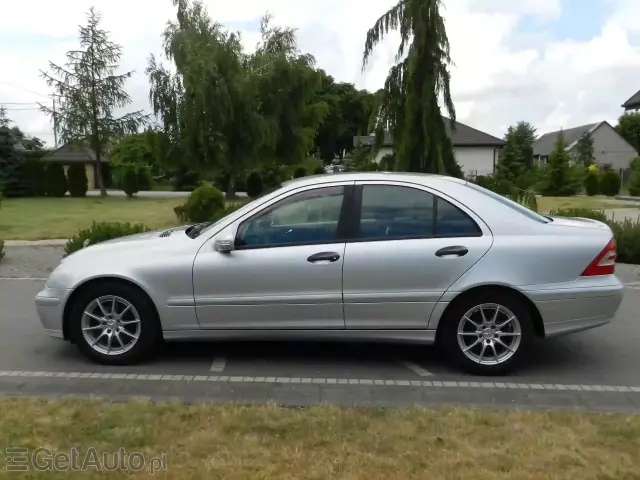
409 105
89 91
511 163
558 178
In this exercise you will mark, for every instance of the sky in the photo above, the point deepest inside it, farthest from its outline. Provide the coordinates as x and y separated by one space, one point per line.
554 63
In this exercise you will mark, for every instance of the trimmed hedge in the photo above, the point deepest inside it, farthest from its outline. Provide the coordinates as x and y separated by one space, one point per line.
34 177
254 184
55 180
592 183
204 204
77 178
609 183
626 232
100 232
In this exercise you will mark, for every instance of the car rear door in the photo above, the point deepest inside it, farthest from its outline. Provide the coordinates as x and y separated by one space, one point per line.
410 245
286 269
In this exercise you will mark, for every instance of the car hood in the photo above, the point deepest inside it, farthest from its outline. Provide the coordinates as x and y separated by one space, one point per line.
136 242
164 233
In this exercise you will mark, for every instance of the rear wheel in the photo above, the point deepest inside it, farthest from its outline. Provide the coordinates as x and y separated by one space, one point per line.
488 333
114 324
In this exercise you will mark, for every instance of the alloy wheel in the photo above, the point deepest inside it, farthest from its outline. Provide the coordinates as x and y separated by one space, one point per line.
111 325
489 334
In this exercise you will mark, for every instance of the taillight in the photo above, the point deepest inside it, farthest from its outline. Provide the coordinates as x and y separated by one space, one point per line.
604 263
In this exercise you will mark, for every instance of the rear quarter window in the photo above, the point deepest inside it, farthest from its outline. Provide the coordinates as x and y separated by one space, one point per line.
510 203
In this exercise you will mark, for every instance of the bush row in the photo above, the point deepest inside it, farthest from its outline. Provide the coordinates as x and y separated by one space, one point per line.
626 232
39 179
101 232
606 182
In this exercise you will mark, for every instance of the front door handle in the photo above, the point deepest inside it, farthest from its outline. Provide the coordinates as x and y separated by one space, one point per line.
324 257
457 250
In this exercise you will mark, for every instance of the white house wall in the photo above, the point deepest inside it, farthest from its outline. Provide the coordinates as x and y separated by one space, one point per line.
475 160
472 160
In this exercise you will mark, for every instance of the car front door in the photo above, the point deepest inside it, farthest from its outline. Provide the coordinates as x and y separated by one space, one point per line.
411 244
285 271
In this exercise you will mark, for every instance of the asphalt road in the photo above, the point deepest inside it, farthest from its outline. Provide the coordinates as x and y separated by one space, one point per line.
607 355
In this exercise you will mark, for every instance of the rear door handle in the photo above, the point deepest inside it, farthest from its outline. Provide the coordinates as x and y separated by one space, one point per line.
457 250
324 257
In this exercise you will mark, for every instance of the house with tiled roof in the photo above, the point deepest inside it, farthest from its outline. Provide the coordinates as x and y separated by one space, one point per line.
476 152
609 148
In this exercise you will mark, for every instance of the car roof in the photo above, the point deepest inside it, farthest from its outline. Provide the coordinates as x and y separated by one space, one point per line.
421 178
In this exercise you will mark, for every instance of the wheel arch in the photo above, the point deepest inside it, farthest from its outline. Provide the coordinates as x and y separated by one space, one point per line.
536 317
84 286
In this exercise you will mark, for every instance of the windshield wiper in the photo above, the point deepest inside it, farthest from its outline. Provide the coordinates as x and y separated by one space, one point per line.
194 230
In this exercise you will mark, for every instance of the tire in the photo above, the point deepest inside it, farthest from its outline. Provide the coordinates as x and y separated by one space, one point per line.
146 329
521 327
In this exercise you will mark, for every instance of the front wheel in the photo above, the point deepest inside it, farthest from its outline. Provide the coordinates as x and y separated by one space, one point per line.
487 334
114 324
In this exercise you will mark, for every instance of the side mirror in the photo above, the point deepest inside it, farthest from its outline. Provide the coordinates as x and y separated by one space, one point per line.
225 243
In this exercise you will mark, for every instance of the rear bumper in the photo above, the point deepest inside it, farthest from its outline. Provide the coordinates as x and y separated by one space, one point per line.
50 306
586 303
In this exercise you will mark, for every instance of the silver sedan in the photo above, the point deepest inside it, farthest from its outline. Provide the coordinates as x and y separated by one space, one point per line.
361 256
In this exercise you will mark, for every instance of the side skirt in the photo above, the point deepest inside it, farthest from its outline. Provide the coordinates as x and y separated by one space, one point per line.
426 337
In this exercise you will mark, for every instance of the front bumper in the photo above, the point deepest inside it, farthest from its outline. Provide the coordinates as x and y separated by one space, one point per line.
50 304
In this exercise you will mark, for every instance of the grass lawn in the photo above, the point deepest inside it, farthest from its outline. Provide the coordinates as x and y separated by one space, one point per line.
235 442
545 204
43 218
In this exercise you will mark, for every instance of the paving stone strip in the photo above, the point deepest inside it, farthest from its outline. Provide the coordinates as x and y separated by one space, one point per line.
324 381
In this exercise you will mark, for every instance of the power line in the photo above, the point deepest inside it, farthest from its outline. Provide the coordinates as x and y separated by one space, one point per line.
18 109
18 103
23 89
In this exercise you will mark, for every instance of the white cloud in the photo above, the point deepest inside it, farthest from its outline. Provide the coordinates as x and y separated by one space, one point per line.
501 74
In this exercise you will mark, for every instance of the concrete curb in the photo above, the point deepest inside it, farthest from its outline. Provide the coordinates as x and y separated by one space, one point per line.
35 243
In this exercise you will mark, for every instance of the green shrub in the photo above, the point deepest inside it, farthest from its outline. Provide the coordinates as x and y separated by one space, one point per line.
254 184
526 199
599 215
133 177
100 232
55 180
300 172
609 183
499 186
34 177
1 249
627 234
77 177
592 183
319 171
634 184
204 204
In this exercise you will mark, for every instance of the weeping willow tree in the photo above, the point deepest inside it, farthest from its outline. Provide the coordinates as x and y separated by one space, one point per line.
226 110
408 105
288 89
208 108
